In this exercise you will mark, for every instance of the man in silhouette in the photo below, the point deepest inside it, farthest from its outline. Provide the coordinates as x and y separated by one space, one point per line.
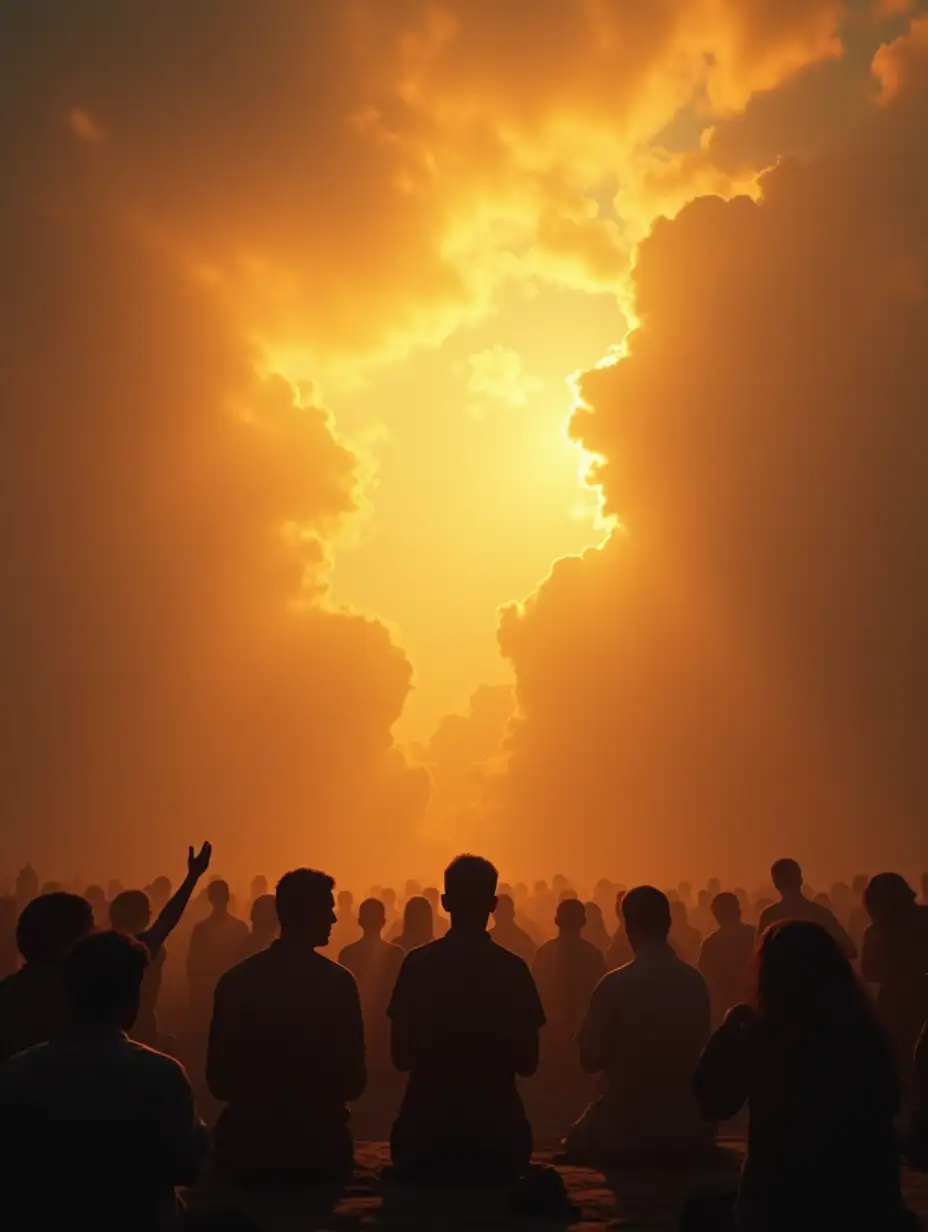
465 1021
96 1130
566 971
32 1001
286 1051
619 952
215 945
725 957
265 927
786 876
375 965
644 1031
507 933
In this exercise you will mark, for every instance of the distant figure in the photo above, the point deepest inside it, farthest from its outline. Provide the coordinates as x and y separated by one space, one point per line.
645 1029
215 944
794 905
685 940
465 1020
620 951
259 887
817 1074
346 926
9 954
130 913
595 930
96 896
894 955
375 964
265 927
726 956
388 898
96 1131
417 925
286 1051
507 933
566 971
33 1007
161 894
433 894
27 886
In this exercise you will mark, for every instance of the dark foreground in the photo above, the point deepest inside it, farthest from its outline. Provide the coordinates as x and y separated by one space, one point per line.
634 1200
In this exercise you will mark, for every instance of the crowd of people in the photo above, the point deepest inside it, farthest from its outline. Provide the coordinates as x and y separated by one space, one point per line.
449 1009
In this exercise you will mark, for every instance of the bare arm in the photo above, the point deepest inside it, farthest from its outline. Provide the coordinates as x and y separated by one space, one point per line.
170 916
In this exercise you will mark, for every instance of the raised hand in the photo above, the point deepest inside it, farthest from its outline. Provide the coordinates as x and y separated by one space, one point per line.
198 862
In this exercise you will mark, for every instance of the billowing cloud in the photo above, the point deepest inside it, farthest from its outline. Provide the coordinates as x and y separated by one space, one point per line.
497 375
739 672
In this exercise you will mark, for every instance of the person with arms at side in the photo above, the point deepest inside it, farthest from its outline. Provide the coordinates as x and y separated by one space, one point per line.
375 965
786 876
215 945
286 1051
33 1007
97 1131
816 1071
725 957
507 933
465 1020
644 1031
566 971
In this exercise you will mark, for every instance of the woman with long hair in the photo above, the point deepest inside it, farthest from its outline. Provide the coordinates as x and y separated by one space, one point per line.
816 1070
418 924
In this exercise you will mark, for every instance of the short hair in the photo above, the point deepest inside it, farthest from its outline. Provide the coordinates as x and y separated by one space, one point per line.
725 906
786 872
130 911
888 896
218 892
372 913
471 877
646 911
346 897
505 906
50 925
102 974
301 895
264 912
95 894
571 914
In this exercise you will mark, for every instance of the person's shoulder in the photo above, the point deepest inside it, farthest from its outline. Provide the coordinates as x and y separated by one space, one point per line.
347 952
17 1067
769 916
164 1068
423 956
245 970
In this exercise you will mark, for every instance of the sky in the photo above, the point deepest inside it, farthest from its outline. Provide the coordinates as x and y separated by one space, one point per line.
444 424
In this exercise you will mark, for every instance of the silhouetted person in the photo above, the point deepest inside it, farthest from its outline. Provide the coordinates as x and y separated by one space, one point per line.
286 1050
265 927
375 965
620 951
130 913
345 929
27 886
725 958
440 922
388 898
465 1015
417 925
566 971
32 1001
595 929
645 1029
96 1130
96 896
685 940
215 945
507 933
259 887
9 953
795 905
817 1073
895 956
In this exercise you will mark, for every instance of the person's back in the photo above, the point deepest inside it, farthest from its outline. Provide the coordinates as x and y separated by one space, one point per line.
645 1029
725 957
465 1020
375 965
507 933
97 1130
286 1050
817 1075
215 945
566 970
795 905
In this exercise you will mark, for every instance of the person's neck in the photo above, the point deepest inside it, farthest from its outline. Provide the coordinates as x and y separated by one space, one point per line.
472 929
97 1027
301 940
373 934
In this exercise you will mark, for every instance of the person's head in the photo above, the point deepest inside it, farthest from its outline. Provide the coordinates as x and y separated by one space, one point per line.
103 980
306 906
504 888
703 900
570 917
9 913
726 909
541 889
823 900
619 900
594 918
559 883
160 891
130 912
433 894
713 887
679 917
743 898
685 891
388 898
418 922
505 912
859 885
786 875
345 902
565 894
50 925
259 887
96 896
470 892
889 898
264 922
219 895
372 917
646 913
412 889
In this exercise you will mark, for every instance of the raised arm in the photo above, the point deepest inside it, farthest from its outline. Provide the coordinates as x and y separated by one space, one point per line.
174 908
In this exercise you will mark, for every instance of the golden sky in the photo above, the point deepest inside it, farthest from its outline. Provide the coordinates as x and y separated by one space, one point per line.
293 297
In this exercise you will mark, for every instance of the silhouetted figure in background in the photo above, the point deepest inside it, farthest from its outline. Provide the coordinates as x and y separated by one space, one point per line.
96 896
96 1130
27 886
417 925
685 940
130 913
346 926
507 933
286 1050
33 1008
895 956
595 929
794 905
375 964
645 1029
817 1074
440 922
259 888
9 954
566 971
465 1016
726 956
388 898
215 944
265 927
620 951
